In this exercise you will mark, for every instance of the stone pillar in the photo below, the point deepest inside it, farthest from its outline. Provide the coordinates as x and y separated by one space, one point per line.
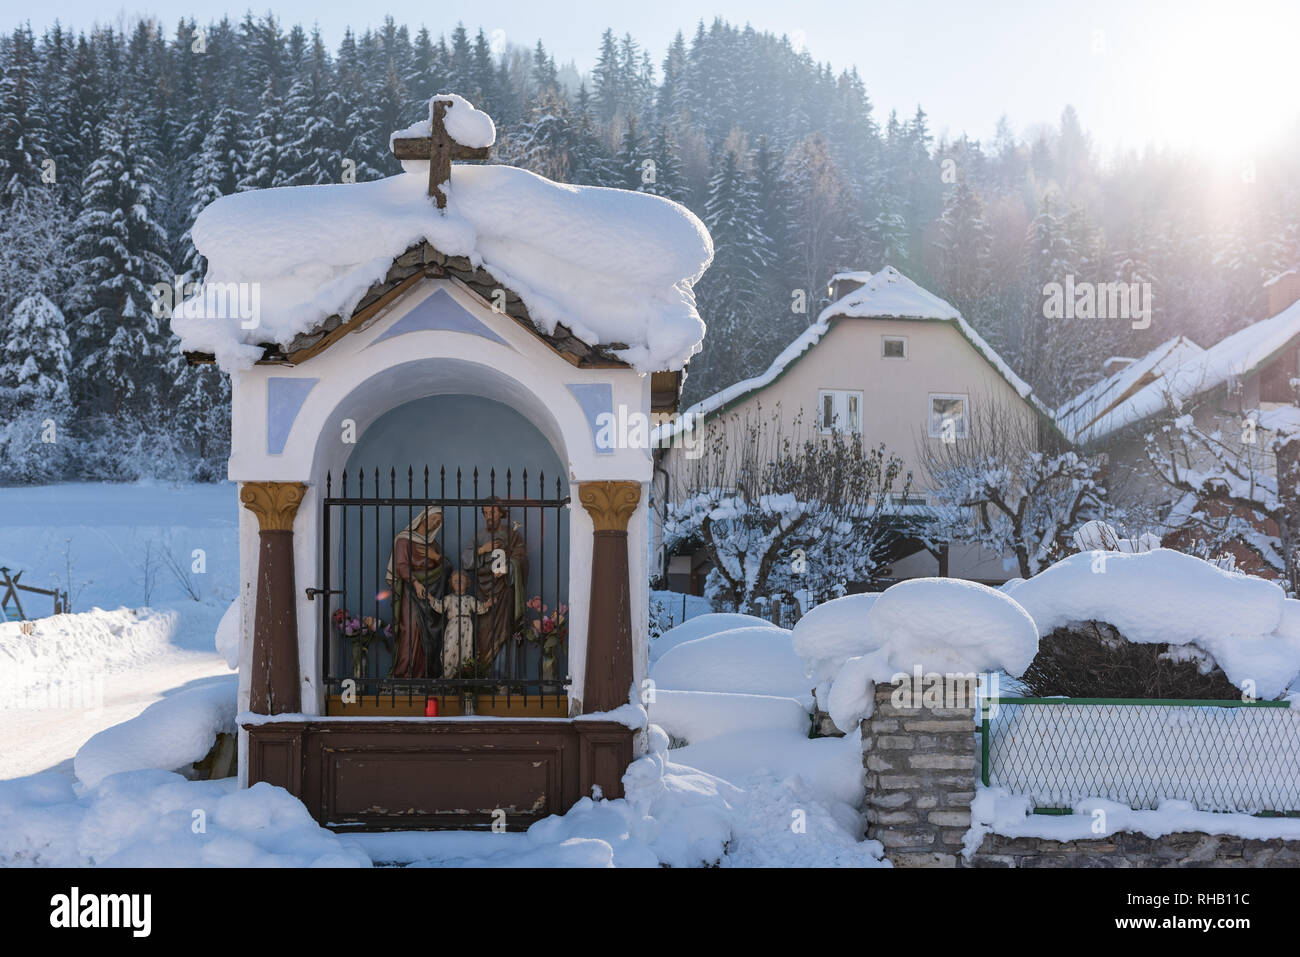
274 686
921 766
608 678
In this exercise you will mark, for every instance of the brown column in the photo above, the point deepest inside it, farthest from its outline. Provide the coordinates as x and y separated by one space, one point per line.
609 627
275 687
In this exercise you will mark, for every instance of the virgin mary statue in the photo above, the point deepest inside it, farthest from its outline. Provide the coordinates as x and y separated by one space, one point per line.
416 572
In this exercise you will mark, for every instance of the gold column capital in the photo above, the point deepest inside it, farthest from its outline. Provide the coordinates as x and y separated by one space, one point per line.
610 504
274 503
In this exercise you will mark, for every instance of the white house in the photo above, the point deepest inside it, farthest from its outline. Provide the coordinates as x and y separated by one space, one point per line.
886 359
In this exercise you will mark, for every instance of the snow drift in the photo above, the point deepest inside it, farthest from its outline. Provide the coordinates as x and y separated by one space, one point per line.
701 626
943 625
168 735
754 660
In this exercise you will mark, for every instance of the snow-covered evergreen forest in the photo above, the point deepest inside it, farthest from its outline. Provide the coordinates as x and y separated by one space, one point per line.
111 142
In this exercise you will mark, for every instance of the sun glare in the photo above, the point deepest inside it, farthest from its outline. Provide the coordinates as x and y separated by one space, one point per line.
1222 83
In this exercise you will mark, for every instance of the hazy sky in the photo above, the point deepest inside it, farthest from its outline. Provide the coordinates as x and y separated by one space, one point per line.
1214 76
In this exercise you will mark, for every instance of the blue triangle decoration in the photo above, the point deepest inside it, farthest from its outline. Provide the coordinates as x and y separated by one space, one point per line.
440 312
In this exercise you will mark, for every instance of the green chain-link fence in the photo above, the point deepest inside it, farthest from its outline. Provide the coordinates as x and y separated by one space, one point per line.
1219 755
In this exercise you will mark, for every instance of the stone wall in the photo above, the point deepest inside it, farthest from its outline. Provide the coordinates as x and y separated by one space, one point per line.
920 776
1126 849
921 767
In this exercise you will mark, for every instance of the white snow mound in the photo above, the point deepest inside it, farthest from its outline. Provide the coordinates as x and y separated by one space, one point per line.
466 125
701 626
757 660
227 636
693 716
942 625
1246 624
168 735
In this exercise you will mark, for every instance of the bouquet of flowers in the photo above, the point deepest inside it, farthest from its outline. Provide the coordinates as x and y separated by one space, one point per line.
361 632
546 628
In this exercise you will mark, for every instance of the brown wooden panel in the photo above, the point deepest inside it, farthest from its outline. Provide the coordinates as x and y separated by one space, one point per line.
276 758
365 783
437 772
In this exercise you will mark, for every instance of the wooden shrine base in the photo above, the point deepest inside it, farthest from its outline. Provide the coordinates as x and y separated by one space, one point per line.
427 773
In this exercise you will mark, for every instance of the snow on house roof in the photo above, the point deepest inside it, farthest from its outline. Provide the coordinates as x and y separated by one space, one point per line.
1197 372
1076 415
887 294
614 266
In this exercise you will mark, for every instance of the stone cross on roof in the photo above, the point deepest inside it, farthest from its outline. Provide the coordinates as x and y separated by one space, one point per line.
439 149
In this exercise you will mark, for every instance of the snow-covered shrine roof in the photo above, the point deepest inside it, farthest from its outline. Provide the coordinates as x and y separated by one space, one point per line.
1188 373
608 272
886 294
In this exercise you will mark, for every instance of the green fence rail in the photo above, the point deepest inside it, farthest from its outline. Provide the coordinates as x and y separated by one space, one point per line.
1218 755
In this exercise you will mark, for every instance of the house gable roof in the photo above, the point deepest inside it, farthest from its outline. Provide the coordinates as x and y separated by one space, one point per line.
1196 373
887 294
1079 415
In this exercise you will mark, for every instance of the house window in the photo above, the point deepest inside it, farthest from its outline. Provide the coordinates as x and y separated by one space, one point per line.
949 416
893 347
839 410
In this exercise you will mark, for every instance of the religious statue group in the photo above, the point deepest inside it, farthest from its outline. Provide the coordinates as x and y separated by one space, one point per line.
453 613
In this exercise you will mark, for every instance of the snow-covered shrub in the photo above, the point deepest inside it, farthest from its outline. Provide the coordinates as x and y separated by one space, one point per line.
26 455
778 516
169 735
1093 660
1171 626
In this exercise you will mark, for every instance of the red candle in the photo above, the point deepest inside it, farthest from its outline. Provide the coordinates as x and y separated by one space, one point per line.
431 707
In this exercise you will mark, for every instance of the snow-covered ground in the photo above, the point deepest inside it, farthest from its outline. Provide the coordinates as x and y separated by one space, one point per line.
87 778
107 703
78 674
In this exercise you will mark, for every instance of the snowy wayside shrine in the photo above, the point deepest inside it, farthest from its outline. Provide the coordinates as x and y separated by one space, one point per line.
442 566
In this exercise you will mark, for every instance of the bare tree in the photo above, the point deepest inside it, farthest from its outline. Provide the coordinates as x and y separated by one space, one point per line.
148 568
180 571
779 515
996 487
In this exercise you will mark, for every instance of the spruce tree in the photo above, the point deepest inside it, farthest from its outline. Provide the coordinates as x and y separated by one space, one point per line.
220 167
34 360
120 250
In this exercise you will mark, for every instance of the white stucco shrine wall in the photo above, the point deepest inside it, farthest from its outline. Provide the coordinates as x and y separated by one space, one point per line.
290 424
